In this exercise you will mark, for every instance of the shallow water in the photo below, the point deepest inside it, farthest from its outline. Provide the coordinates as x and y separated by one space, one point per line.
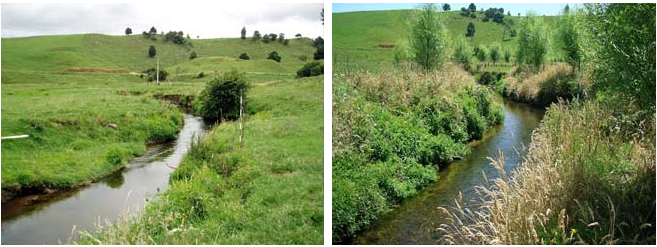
415 220
29 221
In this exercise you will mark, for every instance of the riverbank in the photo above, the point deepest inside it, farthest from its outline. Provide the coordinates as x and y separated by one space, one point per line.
415 219
268 189
77 134
392 131
58 216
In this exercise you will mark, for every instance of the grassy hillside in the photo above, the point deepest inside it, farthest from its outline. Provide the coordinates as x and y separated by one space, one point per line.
59 53
67 113
357 36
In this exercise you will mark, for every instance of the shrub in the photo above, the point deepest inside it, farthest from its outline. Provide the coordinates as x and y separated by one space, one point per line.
495 52
192 55
482 53
314 68
152 75
401 53
303 58
463 55
114 155
274 56
221 97
201 75
244 56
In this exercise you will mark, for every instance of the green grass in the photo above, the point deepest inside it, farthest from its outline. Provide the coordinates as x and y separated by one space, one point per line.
66 113
267 190
357 35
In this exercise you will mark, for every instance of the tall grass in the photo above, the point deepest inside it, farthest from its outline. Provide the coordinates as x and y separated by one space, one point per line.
589 178
554 81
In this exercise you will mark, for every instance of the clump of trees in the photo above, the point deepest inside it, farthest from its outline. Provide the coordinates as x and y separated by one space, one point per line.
152 74
256 36
175 37
220 99
274 56
533 42
470 11
313 68
497 14
244 56
428 38
128 31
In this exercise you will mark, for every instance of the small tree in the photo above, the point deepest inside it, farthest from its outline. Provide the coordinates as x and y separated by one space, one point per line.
244 56
272 36
286 42
153 31
128 31
463 54
446 7
507 56
533 42
192 55
481 53
495 52
470 31
152 52
274 56
281 37
256 35
569 35
221 97
243 34
298 35
151 74
428 38
318 43
401 53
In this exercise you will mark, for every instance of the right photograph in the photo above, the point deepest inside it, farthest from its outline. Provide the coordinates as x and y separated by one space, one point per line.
485 123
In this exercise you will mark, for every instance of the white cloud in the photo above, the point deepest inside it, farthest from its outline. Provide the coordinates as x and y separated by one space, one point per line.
206 20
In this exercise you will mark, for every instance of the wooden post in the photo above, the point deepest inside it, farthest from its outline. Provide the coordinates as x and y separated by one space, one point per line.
157 71
241 111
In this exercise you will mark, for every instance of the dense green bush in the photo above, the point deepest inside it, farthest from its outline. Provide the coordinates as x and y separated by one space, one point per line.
274 56
221 97
398 146
151 75
463 55
314 68
244 56
114 155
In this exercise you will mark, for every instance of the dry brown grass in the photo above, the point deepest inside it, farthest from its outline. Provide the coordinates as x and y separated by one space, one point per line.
528 87
584 181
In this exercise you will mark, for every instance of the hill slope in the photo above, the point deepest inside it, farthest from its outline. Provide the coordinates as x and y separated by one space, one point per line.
363 38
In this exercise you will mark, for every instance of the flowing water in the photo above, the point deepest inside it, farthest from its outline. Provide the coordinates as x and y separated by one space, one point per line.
414 221
35 220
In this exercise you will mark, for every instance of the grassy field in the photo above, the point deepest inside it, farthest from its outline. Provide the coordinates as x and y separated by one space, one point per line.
267 190
358 36
67 113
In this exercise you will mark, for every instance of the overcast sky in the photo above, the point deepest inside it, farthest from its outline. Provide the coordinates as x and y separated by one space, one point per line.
207 20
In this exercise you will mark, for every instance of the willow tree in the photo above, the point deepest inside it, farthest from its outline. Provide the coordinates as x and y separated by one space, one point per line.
428 38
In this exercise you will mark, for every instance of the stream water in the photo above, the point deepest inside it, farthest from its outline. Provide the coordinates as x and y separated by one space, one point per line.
33 220
414 221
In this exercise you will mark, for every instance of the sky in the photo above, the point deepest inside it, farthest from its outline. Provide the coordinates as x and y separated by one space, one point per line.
515 8
205 20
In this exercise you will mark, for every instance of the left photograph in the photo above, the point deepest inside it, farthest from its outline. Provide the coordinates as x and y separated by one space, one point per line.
162 123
